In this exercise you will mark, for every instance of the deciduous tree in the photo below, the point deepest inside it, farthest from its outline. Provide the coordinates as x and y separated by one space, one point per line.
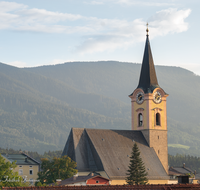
8 178
58 168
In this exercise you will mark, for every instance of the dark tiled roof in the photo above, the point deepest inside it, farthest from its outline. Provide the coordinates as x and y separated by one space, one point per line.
183 170
21 159
180 170
110 151
148 80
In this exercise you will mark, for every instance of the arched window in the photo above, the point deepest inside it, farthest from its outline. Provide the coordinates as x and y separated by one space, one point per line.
157 119
140 120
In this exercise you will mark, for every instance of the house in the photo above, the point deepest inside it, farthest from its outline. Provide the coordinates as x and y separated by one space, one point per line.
84 180
183 174
108 151
27 167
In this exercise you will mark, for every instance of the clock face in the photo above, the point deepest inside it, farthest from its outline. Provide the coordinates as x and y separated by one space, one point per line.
139 97
157 97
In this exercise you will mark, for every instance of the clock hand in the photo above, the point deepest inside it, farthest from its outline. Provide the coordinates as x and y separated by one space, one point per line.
158 97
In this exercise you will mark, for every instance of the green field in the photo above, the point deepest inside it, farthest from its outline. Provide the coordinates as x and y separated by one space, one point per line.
178 146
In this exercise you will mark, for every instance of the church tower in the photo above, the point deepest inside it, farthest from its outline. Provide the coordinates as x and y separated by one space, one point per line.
148 105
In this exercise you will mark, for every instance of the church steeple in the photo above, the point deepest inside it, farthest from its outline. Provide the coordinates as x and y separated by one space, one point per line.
148 107
148 80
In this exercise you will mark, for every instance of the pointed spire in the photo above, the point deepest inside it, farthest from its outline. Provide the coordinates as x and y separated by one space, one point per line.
148 80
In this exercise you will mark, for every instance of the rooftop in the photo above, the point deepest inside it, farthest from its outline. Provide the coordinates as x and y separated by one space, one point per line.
21 159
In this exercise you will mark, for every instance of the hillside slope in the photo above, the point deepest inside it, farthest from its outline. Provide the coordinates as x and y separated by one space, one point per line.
40 105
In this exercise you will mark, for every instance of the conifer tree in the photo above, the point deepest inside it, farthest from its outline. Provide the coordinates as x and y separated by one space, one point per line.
136 172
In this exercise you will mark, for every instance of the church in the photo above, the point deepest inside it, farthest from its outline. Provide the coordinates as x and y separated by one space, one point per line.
107 152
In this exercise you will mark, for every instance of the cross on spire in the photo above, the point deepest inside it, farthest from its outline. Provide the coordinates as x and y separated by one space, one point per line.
147 30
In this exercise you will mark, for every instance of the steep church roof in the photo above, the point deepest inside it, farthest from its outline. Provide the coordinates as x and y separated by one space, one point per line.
110 151
148 80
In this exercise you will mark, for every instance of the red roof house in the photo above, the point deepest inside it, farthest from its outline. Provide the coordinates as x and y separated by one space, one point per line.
85 180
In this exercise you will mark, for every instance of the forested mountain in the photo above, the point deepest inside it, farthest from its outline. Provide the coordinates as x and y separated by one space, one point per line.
38 106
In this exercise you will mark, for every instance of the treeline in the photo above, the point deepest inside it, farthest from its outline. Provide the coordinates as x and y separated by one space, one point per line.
35 155
192 162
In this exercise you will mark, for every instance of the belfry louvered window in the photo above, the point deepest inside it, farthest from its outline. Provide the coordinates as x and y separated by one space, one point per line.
140 120
157 119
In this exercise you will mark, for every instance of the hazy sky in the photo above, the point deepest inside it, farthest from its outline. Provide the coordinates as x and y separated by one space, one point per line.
44 32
